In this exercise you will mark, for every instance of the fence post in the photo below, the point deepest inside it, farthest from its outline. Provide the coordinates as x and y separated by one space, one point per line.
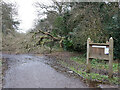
88 52
110 58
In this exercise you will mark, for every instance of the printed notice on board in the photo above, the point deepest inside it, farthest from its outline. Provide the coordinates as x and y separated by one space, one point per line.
106 51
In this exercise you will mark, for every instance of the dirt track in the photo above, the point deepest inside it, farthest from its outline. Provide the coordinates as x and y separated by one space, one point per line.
28 71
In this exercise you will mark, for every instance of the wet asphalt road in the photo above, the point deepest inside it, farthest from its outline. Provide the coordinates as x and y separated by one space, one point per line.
28 71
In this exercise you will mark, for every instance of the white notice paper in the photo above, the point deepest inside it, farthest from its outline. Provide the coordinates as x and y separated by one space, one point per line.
98 46
106 51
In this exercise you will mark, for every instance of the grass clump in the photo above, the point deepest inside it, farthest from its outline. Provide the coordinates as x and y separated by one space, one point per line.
97 64
96 76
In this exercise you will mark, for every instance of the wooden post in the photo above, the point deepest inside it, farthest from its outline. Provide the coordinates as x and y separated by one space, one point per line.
110 57
88 52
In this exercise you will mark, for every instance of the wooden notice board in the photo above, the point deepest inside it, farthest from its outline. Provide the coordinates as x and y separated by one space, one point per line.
103 51
99 51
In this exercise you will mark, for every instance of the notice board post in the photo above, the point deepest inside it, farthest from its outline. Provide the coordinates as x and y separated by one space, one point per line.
110 57
102 51
88 51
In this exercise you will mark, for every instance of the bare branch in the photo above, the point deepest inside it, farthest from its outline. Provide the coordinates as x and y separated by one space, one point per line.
46 33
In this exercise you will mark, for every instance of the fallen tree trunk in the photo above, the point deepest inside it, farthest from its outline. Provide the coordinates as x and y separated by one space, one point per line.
46 33
58 38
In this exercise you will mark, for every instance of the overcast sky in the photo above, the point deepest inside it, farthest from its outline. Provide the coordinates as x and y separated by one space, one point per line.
27 12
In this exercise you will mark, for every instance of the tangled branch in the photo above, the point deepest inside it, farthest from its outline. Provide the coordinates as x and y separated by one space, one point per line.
50 36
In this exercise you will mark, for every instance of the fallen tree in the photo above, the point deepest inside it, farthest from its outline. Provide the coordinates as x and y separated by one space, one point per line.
51 40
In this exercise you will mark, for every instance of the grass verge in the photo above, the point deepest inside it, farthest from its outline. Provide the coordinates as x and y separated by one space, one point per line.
97 64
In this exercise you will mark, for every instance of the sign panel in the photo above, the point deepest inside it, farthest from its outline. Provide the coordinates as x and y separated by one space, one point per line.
106 49
99 51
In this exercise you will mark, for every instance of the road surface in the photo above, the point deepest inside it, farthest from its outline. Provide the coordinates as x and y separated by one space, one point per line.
29 71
